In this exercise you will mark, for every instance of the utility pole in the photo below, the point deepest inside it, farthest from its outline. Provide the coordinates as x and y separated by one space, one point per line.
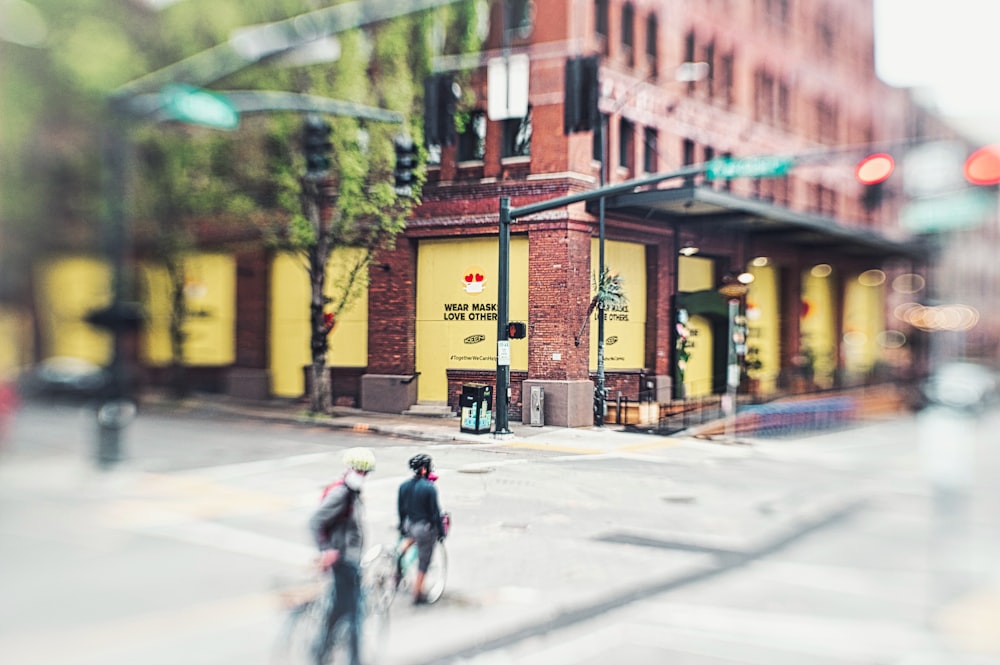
600 394
502 396
507 216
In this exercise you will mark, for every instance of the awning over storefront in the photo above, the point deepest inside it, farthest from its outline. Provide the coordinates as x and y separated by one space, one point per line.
726 212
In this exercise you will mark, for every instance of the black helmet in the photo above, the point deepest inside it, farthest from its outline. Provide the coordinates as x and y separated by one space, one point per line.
420 461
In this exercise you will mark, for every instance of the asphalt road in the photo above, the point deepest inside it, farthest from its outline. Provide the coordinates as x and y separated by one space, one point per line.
826 549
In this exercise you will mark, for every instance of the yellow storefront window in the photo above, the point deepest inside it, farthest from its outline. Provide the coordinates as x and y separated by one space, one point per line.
290 333
457 309
210 320
68 289
624 327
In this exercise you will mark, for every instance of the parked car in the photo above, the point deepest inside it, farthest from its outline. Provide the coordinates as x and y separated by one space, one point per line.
64 378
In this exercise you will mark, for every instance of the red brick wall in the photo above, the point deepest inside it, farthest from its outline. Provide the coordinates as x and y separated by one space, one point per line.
558 296
392 306
252 307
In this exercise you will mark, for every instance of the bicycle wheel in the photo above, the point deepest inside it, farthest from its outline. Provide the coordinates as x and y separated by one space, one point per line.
437 573
374 629
377 579
300 630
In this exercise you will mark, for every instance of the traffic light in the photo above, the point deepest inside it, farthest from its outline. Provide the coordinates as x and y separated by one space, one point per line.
516 330
872 171
316 145
406 161
983 166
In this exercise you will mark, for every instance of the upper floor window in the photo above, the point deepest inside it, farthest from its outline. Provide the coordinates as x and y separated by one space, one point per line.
689 42
723 79
471 129
764 96
710 59
825 33
628 33
520 18
688 152
650 152
601 23
597 151
784 102
778 12
626 142
652 45
827 122
517 136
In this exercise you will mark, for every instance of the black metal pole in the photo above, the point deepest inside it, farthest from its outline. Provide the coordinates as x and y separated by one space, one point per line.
599 394
109 427
503 305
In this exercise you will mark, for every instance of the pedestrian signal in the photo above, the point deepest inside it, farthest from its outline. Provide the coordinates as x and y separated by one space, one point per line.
516 330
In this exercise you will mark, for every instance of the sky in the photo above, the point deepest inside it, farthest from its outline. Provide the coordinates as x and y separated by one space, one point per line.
948 49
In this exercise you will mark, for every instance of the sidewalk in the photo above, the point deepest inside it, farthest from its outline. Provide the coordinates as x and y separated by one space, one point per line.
424 428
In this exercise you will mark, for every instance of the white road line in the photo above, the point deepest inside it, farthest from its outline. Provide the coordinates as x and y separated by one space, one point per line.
240 469
219 536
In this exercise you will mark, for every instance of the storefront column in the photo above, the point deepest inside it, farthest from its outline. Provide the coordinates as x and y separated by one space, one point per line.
790 321
558 297
661 286
249 377
390 384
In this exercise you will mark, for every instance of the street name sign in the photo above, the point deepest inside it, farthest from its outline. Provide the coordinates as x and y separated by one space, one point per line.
188 103
763 166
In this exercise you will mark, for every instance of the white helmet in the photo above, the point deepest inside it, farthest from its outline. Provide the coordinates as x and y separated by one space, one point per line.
359 459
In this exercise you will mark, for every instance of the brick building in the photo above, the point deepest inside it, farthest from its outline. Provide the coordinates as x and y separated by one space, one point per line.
674 84
567 95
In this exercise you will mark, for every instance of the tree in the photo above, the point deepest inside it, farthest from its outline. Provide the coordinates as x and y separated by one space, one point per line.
100 47
357 206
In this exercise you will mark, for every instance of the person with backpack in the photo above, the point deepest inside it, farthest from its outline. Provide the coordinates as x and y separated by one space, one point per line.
338 532
420 519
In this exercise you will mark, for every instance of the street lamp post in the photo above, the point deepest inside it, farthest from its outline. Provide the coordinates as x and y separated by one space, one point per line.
600 401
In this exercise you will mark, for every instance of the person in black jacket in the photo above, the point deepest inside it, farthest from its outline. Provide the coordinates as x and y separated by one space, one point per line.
338 531
420 519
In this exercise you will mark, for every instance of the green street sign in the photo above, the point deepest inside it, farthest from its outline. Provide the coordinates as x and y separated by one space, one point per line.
963 209
201 107
764 166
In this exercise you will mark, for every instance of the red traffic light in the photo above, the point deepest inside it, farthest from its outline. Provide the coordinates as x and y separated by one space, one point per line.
875 168
983 166
516 330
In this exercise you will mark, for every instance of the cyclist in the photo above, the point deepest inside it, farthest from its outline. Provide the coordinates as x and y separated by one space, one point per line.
338 531
419 520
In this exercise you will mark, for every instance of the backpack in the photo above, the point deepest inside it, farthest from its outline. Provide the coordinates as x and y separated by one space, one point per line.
350 502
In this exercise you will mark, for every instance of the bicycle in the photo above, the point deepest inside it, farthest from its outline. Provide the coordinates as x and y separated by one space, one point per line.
307 606
435 578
